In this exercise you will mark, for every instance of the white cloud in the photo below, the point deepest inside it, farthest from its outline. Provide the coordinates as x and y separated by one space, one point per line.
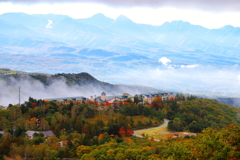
189 66
238 77
49 25
164 61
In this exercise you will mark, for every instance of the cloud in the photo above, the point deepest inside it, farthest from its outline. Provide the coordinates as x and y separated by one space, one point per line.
238 77
189 66
49 25
202 80
210 5
164 61
30 87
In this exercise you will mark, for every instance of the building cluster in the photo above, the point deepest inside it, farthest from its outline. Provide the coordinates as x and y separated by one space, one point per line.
164 96
103 98
111 99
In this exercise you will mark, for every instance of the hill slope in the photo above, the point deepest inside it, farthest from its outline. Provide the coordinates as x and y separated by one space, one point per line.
38 85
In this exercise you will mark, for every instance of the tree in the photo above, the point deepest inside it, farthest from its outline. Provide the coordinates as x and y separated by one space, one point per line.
81 150
175 124
195 127
79 124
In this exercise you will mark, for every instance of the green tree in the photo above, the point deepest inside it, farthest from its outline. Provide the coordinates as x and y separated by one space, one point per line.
175 124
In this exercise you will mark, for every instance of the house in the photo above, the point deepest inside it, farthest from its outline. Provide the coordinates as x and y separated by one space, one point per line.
45 133
165 96
111 99
64 143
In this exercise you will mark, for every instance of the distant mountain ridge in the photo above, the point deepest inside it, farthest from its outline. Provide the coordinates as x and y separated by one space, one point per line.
40 86
230 101
99 31
176 38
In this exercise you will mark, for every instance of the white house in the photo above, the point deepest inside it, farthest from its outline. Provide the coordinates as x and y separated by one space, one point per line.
45 133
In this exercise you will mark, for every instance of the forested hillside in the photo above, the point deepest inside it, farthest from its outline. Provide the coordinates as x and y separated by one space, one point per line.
195 115
95 130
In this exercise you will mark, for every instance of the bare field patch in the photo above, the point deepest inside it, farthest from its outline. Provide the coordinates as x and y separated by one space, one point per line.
163 133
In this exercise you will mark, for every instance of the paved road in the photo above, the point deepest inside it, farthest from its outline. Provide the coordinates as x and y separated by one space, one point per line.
163 125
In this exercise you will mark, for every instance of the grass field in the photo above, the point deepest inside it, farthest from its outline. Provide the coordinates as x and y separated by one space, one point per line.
158 133
163 133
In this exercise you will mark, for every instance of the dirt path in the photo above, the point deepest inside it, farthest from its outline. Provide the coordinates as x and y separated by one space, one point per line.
163 125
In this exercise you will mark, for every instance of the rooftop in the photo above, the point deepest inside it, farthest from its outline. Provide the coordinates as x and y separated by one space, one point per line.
67 98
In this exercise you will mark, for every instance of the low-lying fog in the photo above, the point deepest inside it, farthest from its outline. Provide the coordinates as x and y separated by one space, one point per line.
198 79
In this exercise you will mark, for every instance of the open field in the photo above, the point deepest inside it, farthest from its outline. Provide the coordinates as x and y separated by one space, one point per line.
163 133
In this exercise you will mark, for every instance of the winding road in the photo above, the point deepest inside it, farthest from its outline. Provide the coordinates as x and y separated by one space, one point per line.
163 125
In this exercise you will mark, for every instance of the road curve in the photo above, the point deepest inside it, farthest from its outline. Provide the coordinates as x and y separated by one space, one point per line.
163 125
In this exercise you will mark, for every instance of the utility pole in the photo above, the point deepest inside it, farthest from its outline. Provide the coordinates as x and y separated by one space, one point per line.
19 97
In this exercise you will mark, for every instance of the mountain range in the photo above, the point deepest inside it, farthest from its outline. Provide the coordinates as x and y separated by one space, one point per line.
121 34
122 51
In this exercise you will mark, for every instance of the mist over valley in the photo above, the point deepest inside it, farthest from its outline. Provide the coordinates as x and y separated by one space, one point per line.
46 86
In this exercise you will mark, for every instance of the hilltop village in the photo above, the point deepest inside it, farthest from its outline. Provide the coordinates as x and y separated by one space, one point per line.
104 99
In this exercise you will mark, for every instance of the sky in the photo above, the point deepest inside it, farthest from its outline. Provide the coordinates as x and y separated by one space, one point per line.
207 13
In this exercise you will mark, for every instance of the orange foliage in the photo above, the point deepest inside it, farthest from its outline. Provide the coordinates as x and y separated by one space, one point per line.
122 132
100 137
188 140
59 103
170 135
151 140
147 148
33 119
16 157
127 139
157 99
120 103
126 104
159 105
95 103
46 101
103 104
129 132
76 102
33 105
146 105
